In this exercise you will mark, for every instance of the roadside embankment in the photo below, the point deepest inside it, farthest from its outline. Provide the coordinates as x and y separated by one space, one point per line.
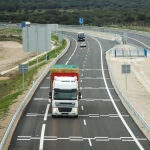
133 88
10 120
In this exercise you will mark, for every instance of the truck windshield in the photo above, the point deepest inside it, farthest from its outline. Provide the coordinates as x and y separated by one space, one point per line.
60 94
81 35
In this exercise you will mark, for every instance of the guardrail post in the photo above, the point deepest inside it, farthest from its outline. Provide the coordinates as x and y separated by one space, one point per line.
145 52
115 53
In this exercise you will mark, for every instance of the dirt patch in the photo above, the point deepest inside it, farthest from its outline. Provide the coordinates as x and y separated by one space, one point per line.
11 53
4 78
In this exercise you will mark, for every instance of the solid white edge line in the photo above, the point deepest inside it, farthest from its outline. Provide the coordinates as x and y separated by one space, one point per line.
74 50
46 112
139 42
115 106
90 143
42 137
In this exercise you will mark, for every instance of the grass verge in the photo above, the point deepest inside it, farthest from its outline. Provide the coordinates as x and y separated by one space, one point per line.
12 87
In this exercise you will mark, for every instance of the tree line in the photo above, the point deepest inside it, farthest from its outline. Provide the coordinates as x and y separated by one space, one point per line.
95 12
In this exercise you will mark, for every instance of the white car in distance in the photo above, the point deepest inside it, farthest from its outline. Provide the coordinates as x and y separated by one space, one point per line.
83 44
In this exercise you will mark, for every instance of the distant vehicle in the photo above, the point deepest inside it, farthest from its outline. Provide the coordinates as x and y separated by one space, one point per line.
25 24
83 44
81 36
64 90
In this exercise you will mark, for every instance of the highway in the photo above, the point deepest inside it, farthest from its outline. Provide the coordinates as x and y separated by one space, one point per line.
103 122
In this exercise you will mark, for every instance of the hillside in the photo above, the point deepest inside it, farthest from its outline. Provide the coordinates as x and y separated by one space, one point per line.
95 12
52 4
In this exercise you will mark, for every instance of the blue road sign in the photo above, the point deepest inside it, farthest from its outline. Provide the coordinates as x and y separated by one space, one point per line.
81 21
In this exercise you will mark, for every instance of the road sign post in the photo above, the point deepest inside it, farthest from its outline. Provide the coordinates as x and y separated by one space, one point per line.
23 68
126 69
81 21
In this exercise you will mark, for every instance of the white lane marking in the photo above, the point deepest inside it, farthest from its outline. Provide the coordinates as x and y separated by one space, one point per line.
24 136
82 108
94 115
50 138
40 99
75 138
113 115
90 143
92 69
33 114
86 115
78 138
115 106
73 51
139 42
46 112
23 139
84 121
53 137
95 88
93 78
101 139
81 81
44 87
105 100
42 137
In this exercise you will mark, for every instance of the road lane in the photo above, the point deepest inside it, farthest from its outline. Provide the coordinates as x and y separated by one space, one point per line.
103 128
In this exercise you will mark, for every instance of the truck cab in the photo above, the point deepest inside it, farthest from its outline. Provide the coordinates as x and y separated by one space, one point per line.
81 36
65 96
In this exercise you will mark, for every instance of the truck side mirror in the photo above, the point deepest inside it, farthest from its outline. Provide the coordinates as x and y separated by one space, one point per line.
50 95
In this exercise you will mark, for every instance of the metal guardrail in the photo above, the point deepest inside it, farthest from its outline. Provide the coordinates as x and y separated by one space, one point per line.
29 95
125 100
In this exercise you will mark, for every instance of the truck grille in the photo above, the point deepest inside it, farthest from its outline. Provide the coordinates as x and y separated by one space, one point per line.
65 109
62 104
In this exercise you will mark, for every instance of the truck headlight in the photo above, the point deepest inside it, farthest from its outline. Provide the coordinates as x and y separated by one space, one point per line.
76 110
54 110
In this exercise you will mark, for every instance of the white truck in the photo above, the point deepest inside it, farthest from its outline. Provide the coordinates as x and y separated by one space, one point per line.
81 36
64 90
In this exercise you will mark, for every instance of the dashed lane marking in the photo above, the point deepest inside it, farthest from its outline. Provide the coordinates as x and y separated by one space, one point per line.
78 138
82 108
90 143
40 99
44 87
84 121
42 137
75 138
93 78
91 100
92 69
95 88
46 112
85 115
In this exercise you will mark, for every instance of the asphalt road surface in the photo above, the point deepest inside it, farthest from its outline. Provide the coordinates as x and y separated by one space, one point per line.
103 122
